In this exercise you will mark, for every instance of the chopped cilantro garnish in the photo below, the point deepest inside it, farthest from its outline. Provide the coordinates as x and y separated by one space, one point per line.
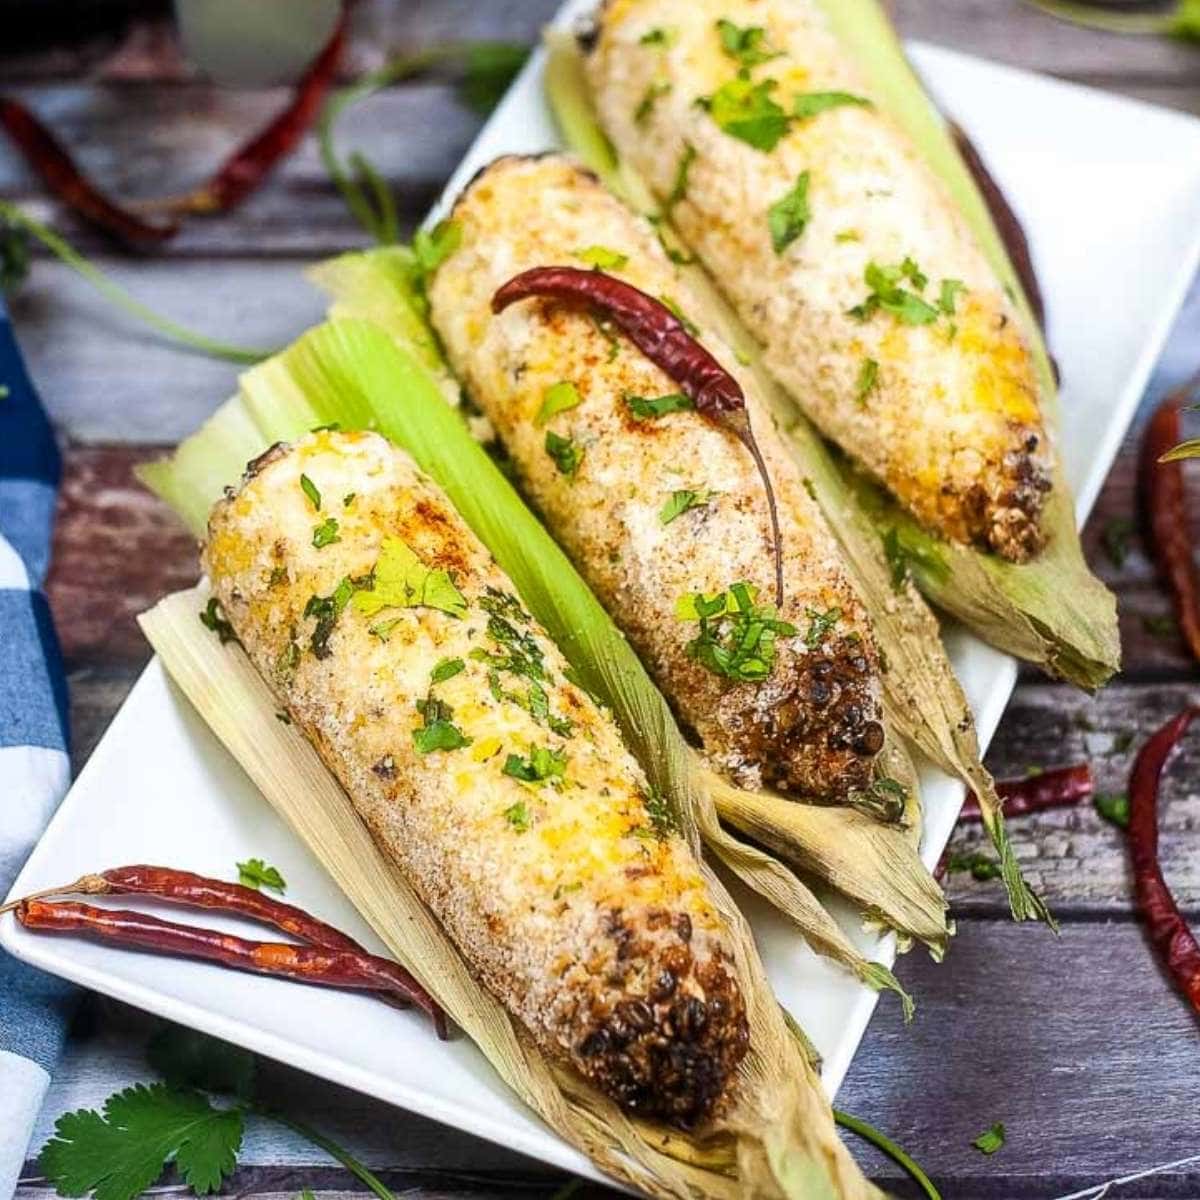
326 533
648 407
680 185
1113 807
948 296
438 731
327 609
690 327
681 502
433 246
788 216
401 580
819 625
990 1140
809 104
746 111
517 815
656 37
566 454
886 293
885 797
868 380
212 617
332 427
503 604
745 44
650 97
602 257
558 397
445 669
348 499
848 235
254 873
310 490
737 636
541 765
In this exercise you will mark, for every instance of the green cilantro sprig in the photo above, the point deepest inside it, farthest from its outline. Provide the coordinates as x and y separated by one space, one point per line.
746 45
652 407
564 452
788 216
907 304
736 637
254 873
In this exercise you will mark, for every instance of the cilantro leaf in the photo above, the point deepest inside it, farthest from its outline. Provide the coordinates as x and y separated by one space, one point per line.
212 617
745 44
119 1153
327 609
603 257
326 533
542 764
657 37
310 490
809 104
566 454
1113 807
820 623
990 1140
650 97
445 669
254 873
558 397
517 815
679 503
648 407
886 293
490 68
868 380
401 580
438 732
737 636
788 216
948 297
186 1058
746 111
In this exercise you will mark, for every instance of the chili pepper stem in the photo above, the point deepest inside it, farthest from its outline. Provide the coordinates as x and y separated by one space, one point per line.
739 422
85 885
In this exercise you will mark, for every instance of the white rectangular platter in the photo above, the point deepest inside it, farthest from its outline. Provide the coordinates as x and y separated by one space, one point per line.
1109 190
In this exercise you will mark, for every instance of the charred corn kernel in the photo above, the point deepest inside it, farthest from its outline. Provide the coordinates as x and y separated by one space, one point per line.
402 652
654 503
840 250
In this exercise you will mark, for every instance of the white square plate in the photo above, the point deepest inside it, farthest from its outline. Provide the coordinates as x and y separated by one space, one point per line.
1109 190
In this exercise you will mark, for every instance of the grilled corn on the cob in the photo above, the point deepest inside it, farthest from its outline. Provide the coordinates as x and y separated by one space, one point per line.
502 790
839 248
656 506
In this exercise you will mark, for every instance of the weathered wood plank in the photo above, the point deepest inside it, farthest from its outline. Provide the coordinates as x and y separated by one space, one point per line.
1011 1027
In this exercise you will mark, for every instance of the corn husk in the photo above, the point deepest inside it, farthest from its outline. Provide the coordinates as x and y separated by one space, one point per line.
923 698
778 1138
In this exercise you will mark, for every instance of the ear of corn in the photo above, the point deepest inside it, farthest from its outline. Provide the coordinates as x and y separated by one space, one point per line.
1050 610
923 697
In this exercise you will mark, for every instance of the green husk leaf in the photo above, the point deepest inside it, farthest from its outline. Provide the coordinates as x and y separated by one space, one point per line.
923 698
353 372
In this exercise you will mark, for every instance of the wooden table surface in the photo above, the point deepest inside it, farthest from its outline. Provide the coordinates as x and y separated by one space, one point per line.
1076 1043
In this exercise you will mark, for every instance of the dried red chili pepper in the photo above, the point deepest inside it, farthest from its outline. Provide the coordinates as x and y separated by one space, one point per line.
49 158
1057 788
1164 500
306 964
1169 932
246 168
659 334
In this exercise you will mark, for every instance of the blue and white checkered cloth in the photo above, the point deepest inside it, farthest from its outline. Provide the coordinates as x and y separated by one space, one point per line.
34 767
